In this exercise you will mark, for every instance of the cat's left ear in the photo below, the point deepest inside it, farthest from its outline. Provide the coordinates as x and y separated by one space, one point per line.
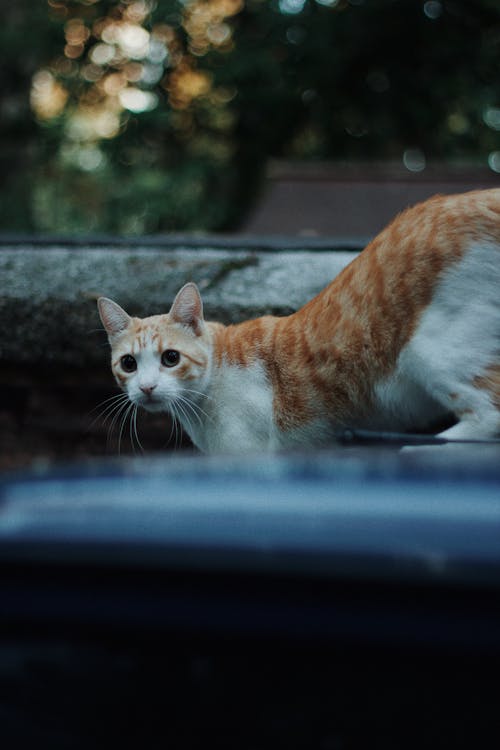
188 309
114 318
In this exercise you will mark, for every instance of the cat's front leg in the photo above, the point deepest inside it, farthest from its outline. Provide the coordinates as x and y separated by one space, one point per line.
461 436
474 428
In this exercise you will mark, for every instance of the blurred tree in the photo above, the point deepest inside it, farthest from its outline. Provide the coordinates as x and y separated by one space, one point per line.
157 115
27 38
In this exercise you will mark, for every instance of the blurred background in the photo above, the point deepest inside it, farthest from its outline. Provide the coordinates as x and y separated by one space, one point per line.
156 116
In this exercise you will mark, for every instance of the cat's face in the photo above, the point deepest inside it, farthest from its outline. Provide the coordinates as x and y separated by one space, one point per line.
159 361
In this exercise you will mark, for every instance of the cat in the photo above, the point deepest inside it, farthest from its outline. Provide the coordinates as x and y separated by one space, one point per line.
407 334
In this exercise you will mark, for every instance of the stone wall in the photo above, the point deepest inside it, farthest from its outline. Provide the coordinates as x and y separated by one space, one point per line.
54 368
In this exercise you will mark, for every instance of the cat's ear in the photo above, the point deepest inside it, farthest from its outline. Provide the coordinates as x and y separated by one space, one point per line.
114 318
188 309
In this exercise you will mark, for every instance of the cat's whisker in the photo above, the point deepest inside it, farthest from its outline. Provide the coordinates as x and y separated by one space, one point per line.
109 404
173 429
198 393
130 430
114 397
134 436
186 405
185 415
129 418
194 407
178 431
182 419
111 411
172 426
198 413
114 412
202 414
111 425
121 412
108 414
123 422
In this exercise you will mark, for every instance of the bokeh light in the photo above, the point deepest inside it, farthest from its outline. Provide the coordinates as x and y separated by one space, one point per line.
414 160
494 161
162 114
48 97
491 117
123 48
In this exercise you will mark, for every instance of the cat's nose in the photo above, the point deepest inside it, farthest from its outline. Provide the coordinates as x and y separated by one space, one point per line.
147 389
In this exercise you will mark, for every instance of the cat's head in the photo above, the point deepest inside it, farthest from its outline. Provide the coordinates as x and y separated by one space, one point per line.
159 360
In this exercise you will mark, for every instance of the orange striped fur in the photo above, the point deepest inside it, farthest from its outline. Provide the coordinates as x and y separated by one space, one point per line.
358 354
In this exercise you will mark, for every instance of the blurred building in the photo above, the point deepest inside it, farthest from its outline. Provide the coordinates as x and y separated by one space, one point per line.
353 201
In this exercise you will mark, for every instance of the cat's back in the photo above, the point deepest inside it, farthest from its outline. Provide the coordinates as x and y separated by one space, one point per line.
430 235
396 275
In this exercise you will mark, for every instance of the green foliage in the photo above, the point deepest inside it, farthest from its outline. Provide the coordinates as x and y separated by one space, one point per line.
183 131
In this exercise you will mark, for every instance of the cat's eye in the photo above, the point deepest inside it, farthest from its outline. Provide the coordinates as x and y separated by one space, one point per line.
128 363
170 358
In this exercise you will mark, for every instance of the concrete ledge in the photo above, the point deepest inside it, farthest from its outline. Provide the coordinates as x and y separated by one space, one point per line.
48 291
54 356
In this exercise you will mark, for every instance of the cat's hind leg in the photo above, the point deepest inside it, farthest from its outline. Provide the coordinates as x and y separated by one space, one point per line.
477 408
454 353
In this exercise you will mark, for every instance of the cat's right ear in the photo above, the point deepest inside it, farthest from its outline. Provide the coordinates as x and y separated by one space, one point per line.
187 308
114 318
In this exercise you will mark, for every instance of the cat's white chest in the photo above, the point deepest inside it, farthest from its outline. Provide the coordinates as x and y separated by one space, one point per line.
239 412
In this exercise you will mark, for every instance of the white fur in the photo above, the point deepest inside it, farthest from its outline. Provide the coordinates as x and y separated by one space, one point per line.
401 403
456 340
238 412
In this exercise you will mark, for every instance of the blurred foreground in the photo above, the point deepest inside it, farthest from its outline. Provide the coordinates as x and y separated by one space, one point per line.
341 600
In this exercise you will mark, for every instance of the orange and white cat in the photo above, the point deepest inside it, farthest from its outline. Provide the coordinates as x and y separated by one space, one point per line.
407 334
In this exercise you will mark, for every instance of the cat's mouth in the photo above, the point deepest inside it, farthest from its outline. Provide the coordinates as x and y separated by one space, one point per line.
153 406
150 403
